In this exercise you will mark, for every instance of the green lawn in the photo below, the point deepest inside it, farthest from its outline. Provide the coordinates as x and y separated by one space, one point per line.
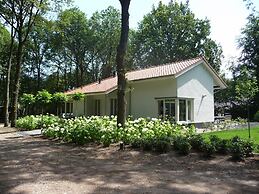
242 133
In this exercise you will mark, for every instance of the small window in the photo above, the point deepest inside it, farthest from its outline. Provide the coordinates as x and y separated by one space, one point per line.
113 107
97 107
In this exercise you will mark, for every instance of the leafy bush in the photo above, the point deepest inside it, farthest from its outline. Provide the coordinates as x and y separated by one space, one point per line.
196 142
27 123
162 145
208 148
240 149
182 145
36 122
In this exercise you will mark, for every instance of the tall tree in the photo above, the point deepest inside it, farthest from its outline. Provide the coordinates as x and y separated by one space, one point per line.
106 29
20 15
246 88
75 37
36 61
249 43
121 51
170 33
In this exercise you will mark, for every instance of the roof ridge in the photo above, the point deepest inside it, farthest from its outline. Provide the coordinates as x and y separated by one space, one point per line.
165 64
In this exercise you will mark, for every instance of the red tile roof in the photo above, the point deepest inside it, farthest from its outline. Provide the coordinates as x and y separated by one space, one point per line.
109 84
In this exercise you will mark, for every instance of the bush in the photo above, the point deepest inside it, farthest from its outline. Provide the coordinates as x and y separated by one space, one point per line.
27 123
256 116
36 122
196 142
182 145
208 148
162 145
240 149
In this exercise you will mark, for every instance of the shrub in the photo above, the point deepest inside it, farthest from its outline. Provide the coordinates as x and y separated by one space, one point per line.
147 144
240 149
27 123
36 122
162 145
196 141
182 145
223 146
208 148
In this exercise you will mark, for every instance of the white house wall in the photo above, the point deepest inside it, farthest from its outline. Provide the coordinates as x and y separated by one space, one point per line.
198 83
144 94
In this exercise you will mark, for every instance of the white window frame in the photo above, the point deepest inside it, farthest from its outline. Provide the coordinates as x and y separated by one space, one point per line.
177 108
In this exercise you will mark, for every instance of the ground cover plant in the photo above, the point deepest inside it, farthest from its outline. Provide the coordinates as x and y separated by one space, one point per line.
148 134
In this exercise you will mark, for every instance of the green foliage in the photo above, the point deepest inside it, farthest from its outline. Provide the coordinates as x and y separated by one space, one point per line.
43 97
78 96
27 99
196 141
171 33
182 145
139 133
240 148
59 97
256 116
36 122
246 86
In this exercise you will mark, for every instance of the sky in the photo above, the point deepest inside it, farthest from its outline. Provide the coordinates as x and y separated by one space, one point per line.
227 18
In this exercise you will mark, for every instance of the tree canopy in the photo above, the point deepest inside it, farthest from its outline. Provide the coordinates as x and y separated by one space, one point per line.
171 33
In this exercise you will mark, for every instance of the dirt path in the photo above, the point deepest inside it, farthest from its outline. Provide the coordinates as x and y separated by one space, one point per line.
36 165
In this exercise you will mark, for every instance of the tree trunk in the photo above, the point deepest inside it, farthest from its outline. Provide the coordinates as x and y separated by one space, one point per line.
17 84
121 51
8 75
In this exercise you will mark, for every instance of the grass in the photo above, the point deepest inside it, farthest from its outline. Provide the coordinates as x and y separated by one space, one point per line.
242 133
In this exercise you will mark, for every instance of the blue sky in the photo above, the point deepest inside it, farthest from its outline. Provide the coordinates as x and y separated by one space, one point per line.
227 17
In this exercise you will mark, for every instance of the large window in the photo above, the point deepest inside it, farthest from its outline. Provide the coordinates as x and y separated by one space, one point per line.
113 107
97 107
166 108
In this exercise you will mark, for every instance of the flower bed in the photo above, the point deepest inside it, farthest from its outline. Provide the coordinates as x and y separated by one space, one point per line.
148 134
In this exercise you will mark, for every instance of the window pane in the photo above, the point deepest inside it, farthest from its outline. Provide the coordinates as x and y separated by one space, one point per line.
160 108
189 110
97 107
182 110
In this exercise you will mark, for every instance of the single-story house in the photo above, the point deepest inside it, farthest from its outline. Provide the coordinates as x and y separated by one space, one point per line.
182 90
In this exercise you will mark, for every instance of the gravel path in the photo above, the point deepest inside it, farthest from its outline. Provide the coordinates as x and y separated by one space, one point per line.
37 165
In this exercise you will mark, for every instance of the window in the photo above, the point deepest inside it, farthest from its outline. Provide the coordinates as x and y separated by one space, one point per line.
189 110
97 107
69 107
113 107
166 108
182 110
